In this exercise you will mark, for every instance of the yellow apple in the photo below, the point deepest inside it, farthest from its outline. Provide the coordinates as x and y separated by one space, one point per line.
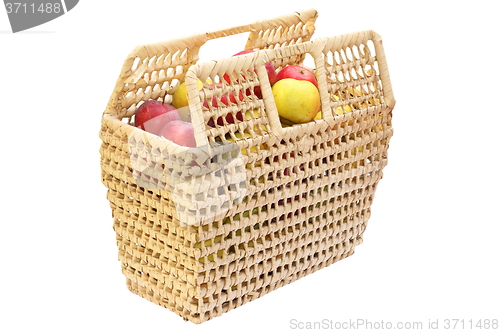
253 149
338 110
255 112
208 242
297 101
342 110
211 256
179 98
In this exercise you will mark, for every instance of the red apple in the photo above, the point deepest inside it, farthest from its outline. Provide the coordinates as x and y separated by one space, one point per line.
243 52
179 132
271 73
298 73
229 119
223 98
152 115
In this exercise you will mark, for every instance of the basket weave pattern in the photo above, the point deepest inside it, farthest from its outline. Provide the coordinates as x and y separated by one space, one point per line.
201 234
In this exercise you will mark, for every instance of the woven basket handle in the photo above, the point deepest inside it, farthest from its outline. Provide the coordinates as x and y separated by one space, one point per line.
138 80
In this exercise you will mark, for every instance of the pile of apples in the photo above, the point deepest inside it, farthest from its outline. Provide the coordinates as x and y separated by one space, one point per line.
295 91
164 120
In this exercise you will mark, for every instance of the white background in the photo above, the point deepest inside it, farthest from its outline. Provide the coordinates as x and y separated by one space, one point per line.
430 251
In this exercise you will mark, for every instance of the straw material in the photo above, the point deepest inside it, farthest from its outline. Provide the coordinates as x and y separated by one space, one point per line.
257 204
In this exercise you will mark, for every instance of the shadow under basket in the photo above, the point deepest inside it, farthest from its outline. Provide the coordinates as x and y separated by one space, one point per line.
258 203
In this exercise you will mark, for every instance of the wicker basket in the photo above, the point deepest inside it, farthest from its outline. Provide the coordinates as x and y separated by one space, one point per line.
257 204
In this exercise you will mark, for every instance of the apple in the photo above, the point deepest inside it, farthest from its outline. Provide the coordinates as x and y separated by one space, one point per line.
297 101
179 132
226 102
229 119
224 98
239 115
271 73
152 115
252 149
232 99
298 73
208 242
179 98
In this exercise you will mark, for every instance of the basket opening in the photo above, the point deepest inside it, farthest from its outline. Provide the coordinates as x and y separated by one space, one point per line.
309 62
223 47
